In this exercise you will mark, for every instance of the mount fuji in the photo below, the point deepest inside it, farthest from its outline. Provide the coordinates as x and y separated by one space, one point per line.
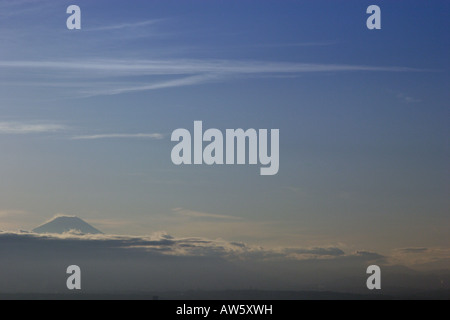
62 224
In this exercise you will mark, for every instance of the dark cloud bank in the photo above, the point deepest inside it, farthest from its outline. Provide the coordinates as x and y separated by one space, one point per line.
36 263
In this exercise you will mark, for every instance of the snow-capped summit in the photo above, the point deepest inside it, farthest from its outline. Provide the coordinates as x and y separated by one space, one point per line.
62 224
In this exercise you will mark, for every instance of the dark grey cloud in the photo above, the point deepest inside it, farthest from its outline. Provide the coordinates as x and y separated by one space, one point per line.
369 256
192 246
317 251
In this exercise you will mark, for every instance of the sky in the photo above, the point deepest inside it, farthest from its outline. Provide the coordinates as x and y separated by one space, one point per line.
86 118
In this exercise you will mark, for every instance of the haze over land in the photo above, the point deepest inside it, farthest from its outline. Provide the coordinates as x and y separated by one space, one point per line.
120 264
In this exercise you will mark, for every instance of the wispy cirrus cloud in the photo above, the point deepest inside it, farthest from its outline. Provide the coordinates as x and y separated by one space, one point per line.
87 76
22 128
183 66
299 44
156 136
186 81
29 128
121 26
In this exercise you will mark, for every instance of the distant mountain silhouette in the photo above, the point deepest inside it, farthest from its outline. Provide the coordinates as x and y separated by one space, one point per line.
61 224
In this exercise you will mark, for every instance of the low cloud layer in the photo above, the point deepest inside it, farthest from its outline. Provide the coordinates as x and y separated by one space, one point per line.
165 244
115 264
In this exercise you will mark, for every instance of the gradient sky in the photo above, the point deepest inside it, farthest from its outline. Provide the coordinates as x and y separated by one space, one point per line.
86 117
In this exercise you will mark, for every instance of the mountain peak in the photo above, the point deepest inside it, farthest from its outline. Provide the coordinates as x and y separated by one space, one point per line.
62 224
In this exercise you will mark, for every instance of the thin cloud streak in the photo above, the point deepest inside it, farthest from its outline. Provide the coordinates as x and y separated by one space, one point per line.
187 81
156 136
19 128
172 67
299 44
86 76
126 25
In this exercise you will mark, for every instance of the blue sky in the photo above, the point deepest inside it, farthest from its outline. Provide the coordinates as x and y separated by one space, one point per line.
86 118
